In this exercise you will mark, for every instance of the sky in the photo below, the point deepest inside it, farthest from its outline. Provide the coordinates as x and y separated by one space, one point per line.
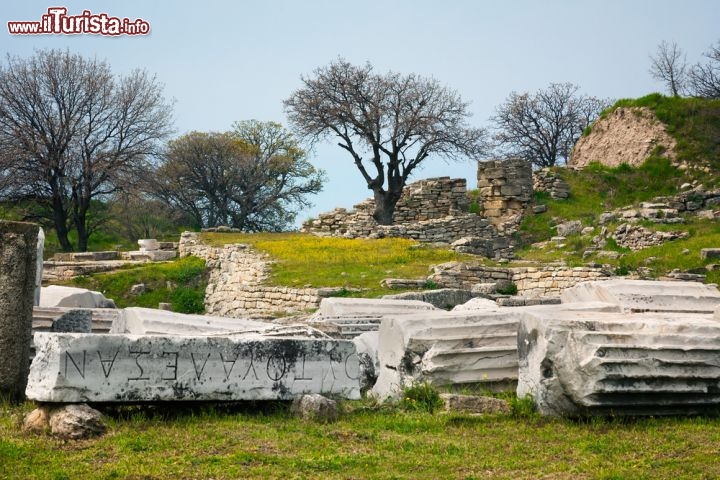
223 61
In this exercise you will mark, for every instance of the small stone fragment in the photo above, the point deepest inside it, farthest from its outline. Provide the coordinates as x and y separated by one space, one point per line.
315 407
76 421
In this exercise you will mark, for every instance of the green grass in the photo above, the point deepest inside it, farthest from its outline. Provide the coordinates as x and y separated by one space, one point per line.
181 282
303 259
367 442
597 189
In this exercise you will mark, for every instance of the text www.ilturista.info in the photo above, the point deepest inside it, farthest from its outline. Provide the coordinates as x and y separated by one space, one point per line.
57 21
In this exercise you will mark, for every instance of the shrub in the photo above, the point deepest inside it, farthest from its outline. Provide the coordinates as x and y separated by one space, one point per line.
507 289
421 397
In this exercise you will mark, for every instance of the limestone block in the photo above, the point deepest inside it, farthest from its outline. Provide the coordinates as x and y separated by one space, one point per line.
473 404
149 321
369 306
74 367
439 298
646 295
446 348
707 253
619 364
73 321
366 345
60 296
476 304
148 244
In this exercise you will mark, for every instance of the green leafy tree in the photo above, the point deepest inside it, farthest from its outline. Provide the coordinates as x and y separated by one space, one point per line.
254 178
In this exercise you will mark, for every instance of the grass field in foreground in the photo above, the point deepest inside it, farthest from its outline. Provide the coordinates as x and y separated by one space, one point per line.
367 442
303 259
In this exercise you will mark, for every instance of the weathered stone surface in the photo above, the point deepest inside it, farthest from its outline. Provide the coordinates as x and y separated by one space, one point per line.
61 296
646 295
476 304
569 228
369 306
73 321
37 421
627 135
456 348
366 346
707 253
76 422
130 368
315 407
18 266
152 255
149 321
636 237
148 244
474 404
440 298
47 319
446 348
39 265
628 364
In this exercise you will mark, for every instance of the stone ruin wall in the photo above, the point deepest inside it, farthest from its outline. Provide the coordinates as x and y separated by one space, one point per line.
437 210
430 210
236 285
505 191
531 282
237 274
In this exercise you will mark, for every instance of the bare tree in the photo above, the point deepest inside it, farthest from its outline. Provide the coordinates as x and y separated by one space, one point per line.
669 65
543 127
704 79
71 133
389 124
255 178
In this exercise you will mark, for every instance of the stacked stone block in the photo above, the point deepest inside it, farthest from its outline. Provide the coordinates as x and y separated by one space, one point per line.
506 189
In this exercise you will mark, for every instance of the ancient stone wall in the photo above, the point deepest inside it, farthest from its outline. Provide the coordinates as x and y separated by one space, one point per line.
550 281
437 210
427 211
531 282
505 190
546 180
236 285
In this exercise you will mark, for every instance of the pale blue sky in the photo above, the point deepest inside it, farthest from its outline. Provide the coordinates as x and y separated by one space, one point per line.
224 61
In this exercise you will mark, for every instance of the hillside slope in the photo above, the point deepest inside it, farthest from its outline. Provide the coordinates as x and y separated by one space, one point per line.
647 171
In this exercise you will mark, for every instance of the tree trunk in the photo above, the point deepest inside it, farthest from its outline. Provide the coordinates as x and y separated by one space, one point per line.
384 207
81 228
60 223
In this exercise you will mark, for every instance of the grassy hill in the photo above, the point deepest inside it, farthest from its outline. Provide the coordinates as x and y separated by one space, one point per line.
695 125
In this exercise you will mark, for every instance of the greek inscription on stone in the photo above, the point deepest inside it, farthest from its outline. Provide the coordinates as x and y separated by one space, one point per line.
198 373
302 371
138 354
225 362
347 372
107 363
276 367
172 365
251 367
69 357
